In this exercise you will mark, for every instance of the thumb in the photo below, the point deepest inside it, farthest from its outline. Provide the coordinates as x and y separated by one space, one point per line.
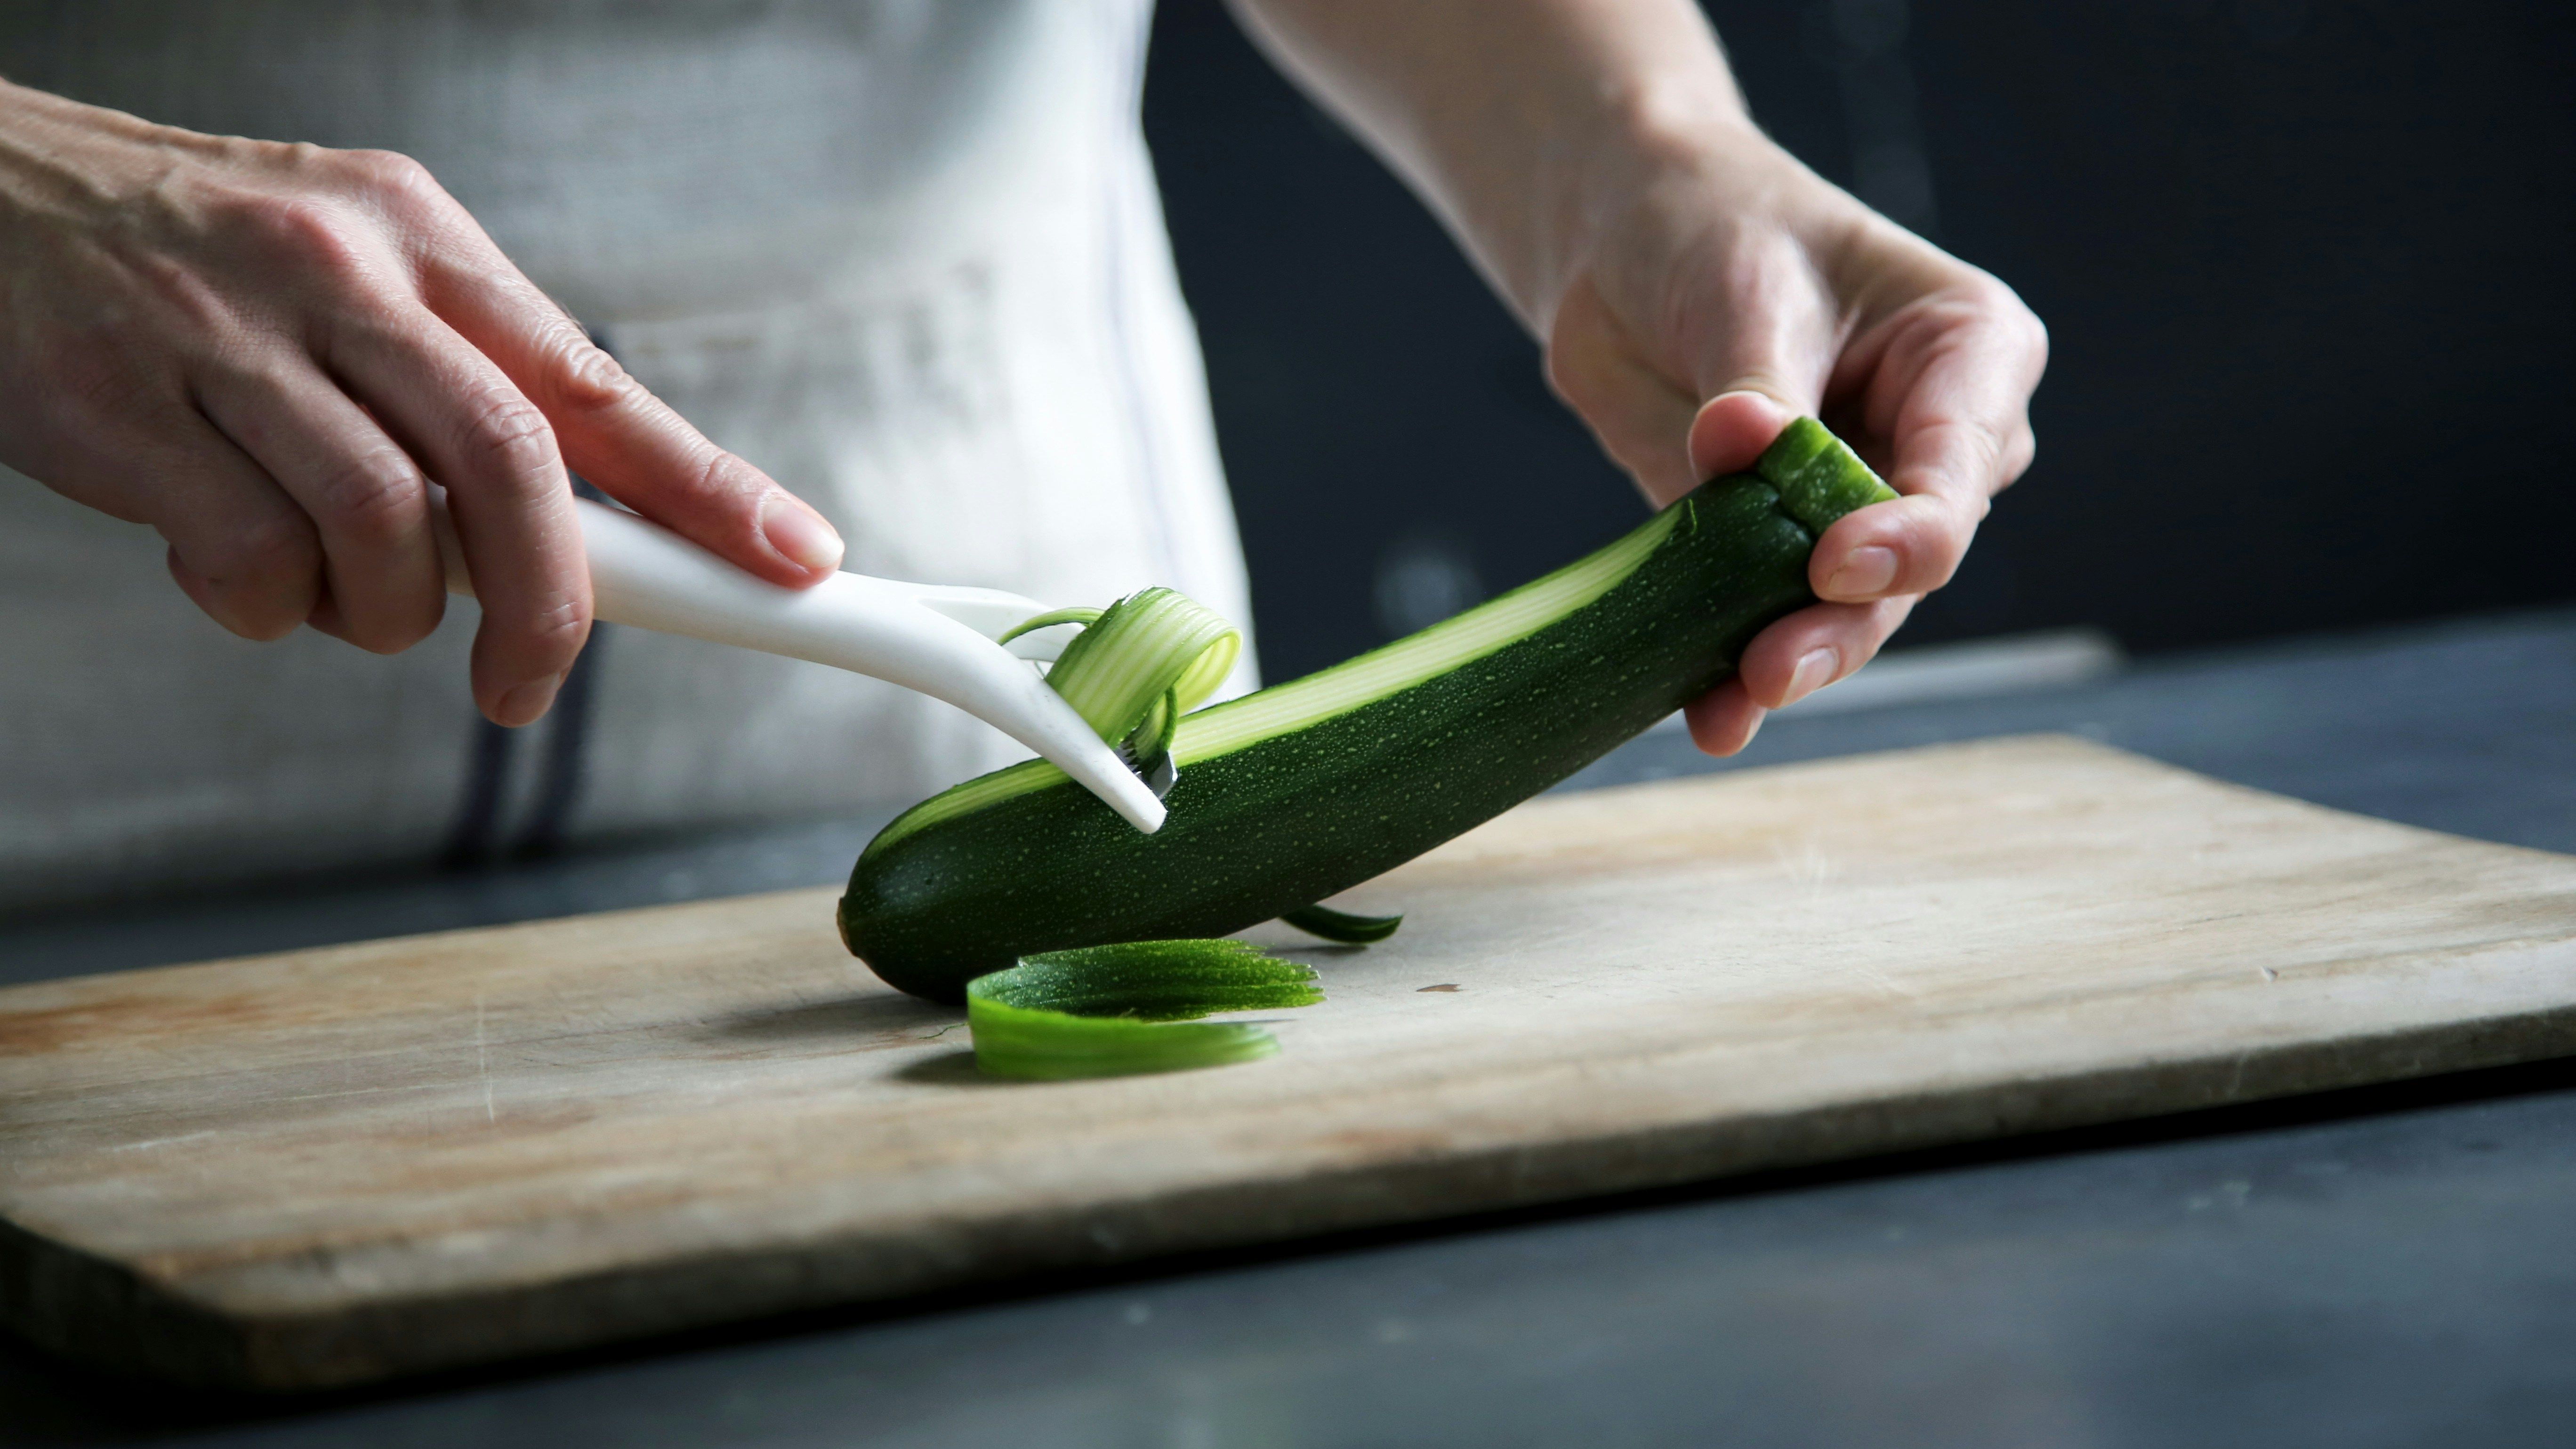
1763 365
1734 427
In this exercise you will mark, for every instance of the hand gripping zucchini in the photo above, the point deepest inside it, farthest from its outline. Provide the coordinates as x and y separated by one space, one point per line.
1310 787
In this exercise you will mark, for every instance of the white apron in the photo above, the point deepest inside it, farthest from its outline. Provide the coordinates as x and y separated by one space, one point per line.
905 255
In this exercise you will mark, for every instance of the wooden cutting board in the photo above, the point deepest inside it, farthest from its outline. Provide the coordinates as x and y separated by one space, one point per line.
342 1164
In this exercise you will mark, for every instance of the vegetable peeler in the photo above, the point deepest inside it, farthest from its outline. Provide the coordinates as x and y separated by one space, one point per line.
935 639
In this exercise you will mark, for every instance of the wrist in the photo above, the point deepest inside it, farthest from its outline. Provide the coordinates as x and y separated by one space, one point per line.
1660 139
63 157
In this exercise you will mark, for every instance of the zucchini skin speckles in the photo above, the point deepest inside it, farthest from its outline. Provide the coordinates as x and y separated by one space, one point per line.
1324 803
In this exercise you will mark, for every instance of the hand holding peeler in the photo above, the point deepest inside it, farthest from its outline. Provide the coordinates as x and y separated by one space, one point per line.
932 638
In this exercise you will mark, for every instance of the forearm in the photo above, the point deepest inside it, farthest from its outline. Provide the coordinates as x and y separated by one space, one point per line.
1526 124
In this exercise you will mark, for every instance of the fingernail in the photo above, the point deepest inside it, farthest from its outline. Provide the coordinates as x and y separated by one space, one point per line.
1866 572
1815 670
799 533
524 703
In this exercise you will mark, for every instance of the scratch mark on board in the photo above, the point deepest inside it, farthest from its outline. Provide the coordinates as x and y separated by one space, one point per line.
483 1062
150 1143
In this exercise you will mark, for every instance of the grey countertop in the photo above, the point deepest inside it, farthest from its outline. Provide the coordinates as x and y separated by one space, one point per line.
2388 1266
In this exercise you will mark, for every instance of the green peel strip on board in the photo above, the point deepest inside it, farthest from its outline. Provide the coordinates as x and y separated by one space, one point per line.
1104 1011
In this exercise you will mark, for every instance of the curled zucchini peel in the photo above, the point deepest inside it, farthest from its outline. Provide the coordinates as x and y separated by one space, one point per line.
1138 666
1103 1011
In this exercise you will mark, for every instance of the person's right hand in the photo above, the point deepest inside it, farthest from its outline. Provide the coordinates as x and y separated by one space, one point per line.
268 352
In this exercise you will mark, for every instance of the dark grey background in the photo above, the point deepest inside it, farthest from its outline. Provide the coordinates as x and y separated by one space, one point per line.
2305 263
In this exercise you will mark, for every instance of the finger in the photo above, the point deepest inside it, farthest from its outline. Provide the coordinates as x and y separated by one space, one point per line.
1948 383
1817 646
1640 417
239 547
2019 453
1895 549
365 496
619 436
607 426
451 409
1724 720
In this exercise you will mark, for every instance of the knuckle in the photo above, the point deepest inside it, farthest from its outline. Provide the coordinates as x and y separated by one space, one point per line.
1568 372
375 497
1998 304
510 437
1961 454
1940 553
1578 340
586 377
2017 313
310 233
390 176
2019 454
1992 294
1982 452
721 476
276 546
1571 388
555 626
1928 570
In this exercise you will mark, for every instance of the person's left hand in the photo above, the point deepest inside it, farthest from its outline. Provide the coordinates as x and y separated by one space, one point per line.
1732 290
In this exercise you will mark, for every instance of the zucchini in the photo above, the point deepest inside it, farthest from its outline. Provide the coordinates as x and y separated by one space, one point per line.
1288 795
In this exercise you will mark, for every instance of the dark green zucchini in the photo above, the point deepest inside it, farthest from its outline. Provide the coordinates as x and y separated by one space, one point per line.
1307 788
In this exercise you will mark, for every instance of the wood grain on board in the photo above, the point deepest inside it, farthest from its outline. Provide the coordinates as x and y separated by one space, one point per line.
343 1164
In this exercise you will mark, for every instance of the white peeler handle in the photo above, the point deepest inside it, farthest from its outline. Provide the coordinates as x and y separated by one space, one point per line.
925 637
